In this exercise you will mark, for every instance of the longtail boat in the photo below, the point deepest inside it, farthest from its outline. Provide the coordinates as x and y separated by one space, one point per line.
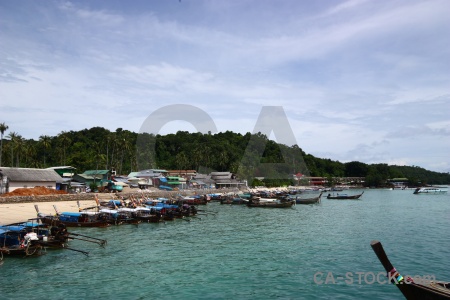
313 200
344 196
16 240
233 200
270 203
411 289
194 200
73 219
29 238
119 216
145 214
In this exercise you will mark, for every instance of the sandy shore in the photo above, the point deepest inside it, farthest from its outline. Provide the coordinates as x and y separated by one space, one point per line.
18 212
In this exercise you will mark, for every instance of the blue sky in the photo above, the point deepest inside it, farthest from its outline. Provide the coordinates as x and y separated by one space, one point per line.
358 80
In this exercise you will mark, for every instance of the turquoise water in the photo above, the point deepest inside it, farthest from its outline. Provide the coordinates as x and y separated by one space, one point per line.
249 253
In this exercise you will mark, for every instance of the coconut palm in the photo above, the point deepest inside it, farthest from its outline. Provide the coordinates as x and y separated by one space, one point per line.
65 140
3 128
30 154
45 141
20 142
13 136
98 157
181 160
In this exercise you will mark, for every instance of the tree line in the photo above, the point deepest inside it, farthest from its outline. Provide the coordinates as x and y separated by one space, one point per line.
250 156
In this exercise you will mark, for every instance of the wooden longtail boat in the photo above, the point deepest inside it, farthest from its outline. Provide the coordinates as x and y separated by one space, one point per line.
194 200
16 241
423 290
28 238
118 216
312 200
70 219
344 196
234 200
147 215
270 204
31 250
73 219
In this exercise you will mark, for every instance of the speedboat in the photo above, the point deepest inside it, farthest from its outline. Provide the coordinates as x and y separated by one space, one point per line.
430 190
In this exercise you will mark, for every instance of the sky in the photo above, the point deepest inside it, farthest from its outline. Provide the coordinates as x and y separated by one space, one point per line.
358 80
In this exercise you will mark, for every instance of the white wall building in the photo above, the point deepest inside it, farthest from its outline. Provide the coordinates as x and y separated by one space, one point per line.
14 178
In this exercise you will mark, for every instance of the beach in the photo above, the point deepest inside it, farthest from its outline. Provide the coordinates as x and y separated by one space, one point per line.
18 212
11 212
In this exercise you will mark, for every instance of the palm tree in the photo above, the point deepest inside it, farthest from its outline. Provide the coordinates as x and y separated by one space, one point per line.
13 140
20 142
45 140
126 149
98 157
223 160
30 153
65 140
196 155
115 144
181 160
3 128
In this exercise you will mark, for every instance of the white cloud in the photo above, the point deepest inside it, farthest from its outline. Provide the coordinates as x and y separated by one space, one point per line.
357 79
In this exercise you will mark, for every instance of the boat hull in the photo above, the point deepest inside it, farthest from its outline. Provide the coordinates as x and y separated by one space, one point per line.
344 197
56 222
313 200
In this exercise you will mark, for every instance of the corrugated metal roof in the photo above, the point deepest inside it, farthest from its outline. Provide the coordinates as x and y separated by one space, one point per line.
30 174
96 172
62 167
89 177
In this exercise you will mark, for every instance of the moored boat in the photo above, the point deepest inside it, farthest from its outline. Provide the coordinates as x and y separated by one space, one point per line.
118 216
17 240
194 200
73 219
344 196
29 238
270 203
312 200
233 199
429 190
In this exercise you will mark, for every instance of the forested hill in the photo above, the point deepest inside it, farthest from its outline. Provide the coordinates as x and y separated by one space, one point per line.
248 156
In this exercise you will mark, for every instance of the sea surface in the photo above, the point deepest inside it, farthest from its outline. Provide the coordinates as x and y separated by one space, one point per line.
317 251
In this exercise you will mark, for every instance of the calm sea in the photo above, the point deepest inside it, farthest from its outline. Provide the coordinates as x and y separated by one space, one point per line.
307 252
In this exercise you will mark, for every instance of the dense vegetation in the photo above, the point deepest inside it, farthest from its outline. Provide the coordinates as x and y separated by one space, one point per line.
250 156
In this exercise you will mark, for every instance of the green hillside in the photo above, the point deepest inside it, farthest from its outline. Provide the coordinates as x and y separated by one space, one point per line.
250 156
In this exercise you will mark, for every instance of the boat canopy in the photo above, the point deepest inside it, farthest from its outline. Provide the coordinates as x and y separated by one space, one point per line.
116 202
163 205
164 187
5 230
71 214
15 228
